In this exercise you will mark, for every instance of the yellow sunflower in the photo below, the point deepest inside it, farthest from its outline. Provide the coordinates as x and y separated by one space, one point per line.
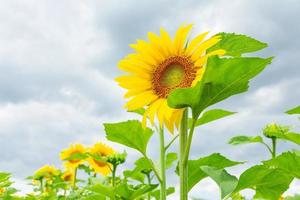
46 171
68 175
102 150
2 190
161 65
71 151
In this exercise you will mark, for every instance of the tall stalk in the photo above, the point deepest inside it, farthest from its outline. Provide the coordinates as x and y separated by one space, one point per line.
114 169
183 170
273 147
163 194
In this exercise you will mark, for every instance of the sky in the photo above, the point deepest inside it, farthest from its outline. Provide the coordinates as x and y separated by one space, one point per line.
58 61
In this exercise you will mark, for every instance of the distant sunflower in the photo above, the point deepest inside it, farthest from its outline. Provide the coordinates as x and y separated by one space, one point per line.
68 175
73 150
103 151
46 171
2 190
160 66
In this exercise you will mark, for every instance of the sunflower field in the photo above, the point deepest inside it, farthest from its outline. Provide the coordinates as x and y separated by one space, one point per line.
171 83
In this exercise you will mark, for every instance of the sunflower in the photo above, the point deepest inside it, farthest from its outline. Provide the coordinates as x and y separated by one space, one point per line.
73 150
2 190
103 151
46 171
68 175
161 65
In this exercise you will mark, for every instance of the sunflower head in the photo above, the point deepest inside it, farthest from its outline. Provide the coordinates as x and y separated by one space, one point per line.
46 171
161 65
68 175
74 155
98 159
2 190
274 130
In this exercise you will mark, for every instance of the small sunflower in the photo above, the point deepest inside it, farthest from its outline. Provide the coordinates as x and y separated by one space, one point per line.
2 190
160 66
46 171
73 150
68 175
103 151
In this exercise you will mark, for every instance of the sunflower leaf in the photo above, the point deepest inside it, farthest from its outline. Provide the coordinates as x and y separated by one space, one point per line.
225 181
292 111
223 78
196 174
237 140
212 115
170 158
287 161
269 183
129 133
236 44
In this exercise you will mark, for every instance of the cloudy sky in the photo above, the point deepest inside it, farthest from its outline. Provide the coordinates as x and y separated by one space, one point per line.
58 61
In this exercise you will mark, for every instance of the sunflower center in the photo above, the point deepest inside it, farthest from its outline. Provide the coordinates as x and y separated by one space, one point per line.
172 76
174 72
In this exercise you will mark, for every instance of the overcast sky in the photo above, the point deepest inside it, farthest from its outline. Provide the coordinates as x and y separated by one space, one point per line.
58 60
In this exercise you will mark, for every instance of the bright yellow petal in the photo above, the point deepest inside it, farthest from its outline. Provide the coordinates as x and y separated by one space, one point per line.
195 43
158 44
204 46
180 38
130 67
130 82
167 41
141 100
151 111
146 50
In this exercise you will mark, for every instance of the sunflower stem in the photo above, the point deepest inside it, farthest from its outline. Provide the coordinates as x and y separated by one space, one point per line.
189 141
41 186
183 170
114 170
75 177
149 183
273 147
163 194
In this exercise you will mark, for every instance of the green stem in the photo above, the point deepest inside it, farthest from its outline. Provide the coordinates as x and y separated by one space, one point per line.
149 183
183 171
189 142
114 169
163 194
41 186
153 168
171 142
75 176
273 147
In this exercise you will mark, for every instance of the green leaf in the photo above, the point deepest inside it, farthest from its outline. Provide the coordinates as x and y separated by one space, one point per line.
212 115
223 77
196 174
139 111
170 158
156 193
236 45
143 190
296 197
292 137
129 133
293 111
288 161
135 175
225 181
103 190
269 183
143 164
245 140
